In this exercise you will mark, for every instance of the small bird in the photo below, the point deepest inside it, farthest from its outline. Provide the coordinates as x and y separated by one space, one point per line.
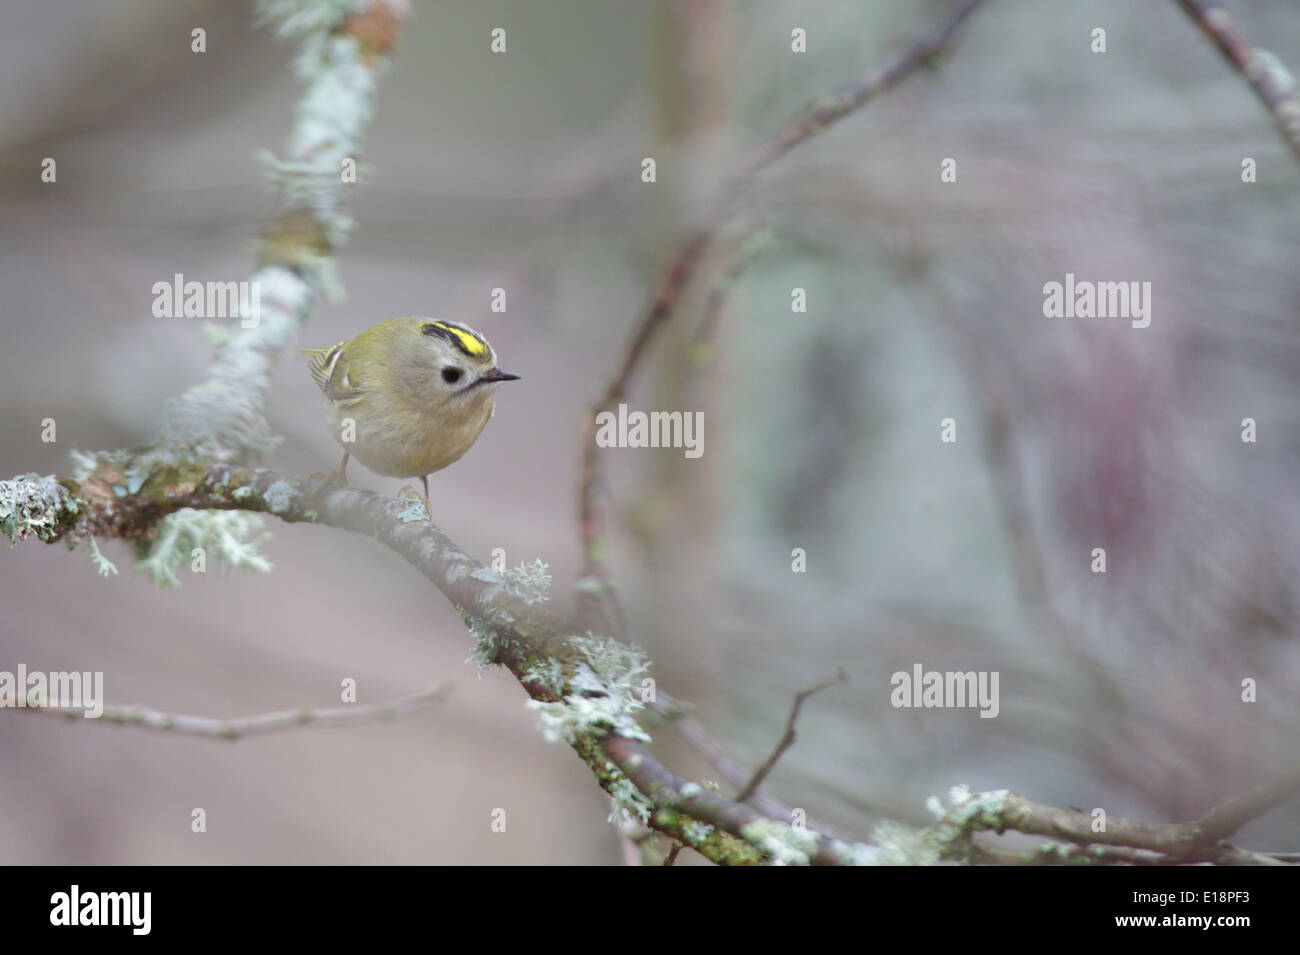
408 396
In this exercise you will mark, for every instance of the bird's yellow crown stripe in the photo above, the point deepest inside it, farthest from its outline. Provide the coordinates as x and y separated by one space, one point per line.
467 341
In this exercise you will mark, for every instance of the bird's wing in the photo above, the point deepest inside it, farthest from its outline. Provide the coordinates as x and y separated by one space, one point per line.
330 372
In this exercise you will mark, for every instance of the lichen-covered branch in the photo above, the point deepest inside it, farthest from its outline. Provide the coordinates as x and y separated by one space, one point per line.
585 687
1272 82
1115 841
345 45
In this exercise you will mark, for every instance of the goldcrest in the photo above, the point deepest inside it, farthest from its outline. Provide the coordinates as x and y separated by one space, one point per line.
408 396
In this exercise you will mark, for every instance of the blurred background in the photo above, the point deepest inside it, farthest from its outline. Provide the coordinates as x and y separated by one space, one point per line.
522 171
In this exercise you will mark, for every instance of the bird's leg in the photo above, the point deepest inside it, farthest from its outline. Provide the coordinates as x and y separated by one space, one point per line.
339 477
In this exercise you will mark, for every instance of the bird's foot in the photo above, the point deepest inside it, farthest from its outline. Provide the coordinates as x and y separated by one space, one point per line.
319 483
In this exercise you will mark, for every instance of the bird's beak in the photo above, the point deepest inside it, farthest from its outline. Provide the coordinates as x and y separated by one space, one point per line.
496 374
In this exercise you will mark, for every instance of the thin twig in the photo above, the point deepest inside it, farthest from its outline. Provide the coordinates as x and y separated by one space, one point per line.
728 767
1271 81
750 249
787 740
261 724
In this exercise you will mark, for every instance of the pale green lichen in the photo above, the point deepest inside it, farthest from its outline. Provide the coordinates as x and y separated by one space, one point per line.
311 22
279 497
603 693
857 853
102 563
414 512
968 813
782 843
896 844
627 798
945 843
83 464
136 475
35 506
696 832
224 536
530 583
549 674
487 642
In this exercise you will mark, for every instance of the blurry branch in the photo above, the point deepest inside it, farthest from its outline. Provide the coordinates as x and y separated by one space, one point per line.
1272 82
815 117
1015 509
1057 853
750 250
788 739
1125 841
258 725
342 56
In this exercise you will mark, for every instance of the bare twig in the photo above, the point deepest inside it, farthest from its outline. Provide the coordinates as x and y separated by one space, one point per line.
787 740
728 767
262 723
749 250
1271 81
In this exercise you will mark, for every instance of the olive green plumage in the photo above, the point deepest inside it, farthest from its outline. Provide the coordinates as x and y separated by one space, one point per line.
412 394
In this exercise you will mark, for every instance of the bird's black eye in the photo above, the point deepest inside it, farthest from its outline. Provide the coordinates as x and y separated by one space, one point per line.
451 375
